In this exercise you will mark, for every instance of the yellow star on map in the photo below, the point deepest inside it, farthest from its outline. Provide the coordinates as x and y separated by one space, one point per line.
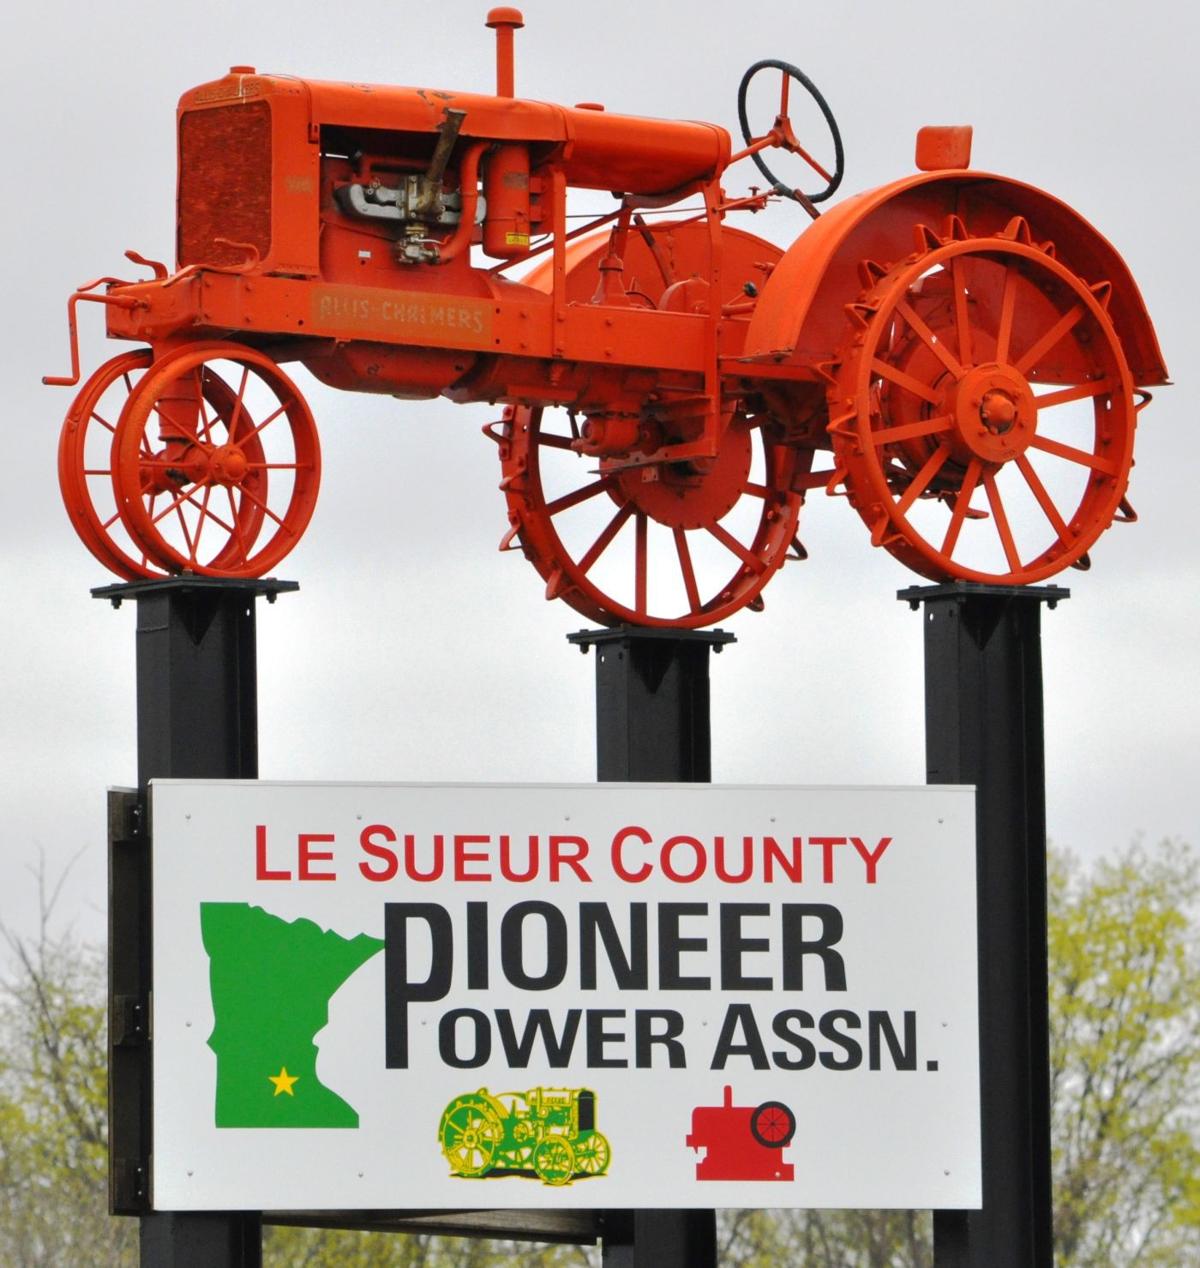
283 1081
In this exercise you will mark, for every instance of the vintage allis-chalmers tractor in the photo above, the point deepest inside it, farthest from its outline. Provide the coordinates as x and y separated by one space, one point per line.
972 352
548 1131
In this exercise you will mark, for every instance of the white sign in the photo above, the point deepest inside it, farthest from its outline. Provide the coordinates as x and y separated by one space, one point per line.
611 995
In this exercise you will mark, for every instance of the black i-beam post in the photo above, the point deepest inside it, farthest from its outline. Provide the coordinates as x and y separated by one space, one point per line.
652 725
983 726
197 718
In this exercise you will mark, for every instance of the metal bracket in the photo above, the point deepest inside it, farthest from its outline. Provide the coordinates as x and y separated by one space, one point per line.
128 1178
129 1020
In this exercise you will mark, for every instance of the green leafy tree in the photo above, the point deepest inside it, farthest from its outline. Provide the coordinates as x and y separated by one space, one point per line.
826 1239
1125 1059
53 1103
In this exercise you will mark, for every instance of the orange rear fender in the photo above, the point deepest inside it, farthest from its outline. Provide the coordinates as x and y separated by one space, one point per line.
801 319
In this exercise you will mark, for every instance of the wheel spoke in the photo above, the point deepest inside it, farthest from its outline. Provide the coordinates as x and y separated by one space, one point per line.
685 567
1064 324
203 509
1008 304
640 563
756 490
149 461
177 502
262 506
744 553
1080 392
921 481
103 423
239 401
961 502
909 431
935 345
582 494
266 422
237 524
906 381
1001 521
1044 500
1072 454
209 513
962 321
610 530
187 537
784 91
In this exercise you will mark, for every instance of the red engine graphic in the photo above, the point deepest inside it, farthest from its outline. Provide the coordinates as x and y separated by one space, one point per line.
742 1142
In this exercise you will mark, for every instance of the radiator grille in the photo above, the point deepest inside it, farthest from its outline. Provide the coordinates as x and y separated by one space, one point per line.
224 182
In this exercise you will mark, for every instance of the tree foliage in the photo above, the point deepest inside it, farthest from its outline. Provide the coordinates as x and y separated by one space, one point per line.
1125 1079
1125 1059
53 1104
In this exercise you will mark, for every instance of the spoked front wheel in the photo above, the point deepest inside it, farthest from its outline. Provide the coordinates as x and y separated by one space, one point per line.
216 463
86 463
554 1160
85 466
680 545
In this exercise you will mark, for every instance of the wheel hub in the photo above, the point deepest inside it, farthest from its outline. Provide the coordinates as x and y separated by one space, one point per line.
994 411
680 496
228 464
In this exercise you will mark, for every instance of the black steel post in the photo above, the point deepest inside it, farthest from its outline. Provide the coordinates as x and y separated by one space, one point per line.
983 726
652 725
197 718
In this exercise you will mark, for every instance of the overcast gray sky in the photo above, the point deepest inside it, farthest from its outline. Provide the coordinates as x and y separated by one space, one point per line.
414 651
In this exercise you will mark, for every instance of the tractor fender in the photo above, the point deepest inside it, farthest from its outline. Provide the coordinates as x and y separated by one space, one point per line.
800 317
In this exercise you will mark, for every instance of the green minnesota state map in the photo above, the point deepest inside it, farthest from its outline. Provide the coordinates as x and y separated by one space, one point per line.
271 982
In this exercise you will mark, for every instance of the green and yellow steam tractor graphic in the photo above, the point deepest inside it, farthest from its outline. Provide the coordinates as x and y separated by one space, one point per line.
547 1132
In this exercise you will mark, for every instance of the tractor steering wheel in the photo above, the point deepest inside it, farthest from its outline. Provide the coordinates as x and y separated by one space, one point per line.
785 137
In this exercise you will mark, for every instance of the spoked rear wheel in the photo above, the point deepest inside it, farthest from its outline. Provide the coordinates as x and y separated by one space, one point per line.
470 1133
984 370
216 463
673 545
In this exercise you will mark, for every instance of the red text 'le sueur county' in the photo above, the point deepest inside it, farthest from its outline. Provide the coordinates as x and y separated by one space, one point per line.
380 853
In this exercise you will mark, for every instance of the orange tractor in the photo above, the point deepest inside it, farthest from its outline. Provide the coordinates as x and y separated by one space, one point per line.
971 353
